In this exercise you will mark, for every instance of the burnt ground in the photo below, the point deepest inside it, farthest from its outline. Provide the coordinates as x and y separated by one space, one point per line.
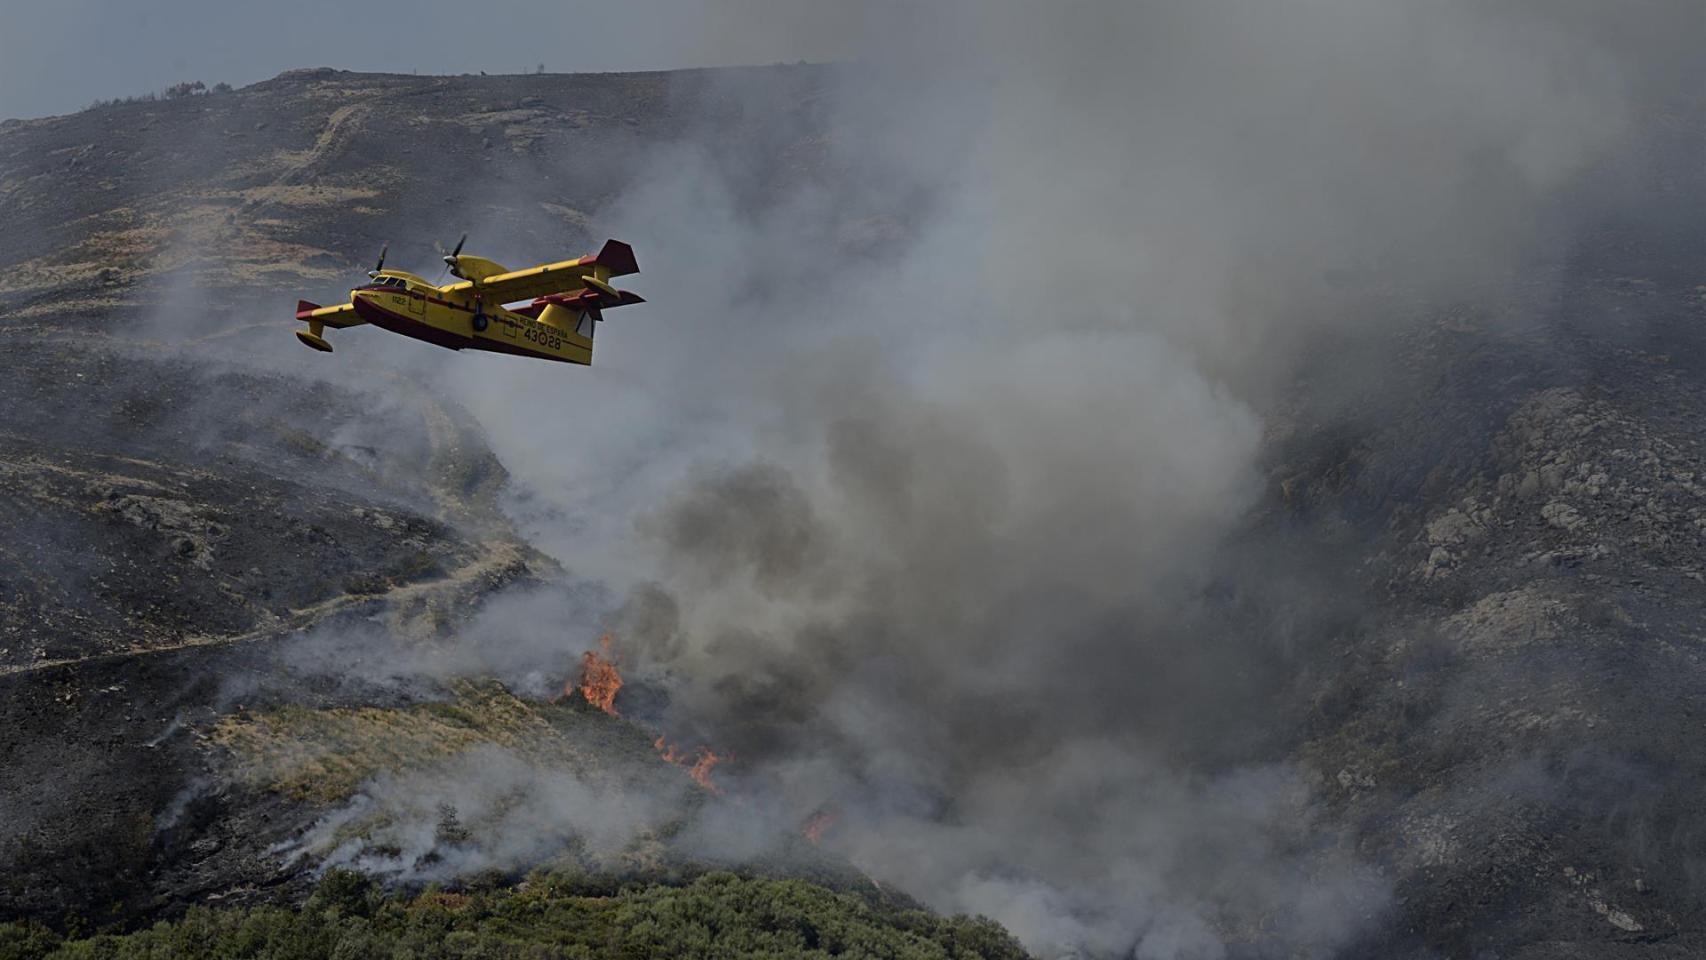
178 514
152 556
1509 716
1500 701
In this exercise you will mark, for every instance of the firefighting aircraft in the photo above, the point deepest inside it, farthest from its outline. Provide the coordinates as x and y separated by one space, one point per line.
568 300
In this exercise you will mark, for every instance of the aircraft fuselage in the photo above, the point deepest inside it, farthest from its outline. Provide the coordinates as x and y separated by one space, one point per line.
405 304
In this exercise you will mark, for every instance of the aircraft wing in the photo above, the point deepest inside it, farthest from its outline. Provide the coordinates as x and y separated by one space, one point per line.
616 258
338 317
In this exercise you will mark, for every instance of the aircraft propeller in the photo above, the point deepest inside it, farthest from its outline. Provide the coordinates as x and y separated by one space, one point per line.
450 258
381 264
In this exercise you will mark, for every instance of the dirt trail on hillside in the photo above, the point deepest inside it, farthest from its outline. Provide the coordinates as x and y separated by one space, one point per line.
499 560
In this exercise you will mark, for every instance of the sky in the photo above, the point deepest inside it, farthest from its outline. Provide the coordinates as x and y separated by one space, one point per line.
78 51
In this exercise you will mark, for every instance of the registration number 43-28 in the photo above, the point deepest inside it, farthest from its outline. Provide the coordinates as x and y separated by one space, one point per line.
543 336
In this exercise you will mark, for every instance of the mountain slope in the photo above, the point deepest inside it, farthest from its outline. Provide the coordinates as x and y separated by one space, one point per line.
1475 573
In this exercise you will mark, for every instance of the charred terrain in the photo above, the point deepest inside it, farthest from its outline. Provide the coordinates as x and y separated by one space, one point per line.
1468 602
178 515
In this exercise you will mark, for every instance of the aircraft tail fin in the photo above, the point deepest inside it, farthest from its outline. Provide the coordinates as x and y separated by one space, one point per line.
618 258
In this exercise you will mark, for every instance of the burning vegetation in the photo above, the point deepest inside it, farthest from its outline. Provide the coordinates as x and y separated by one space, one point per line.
698 762
600 680
818 825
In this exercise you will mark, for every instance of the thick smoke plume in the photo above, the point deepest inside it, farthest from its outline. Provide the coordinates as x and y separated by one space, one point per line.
917 474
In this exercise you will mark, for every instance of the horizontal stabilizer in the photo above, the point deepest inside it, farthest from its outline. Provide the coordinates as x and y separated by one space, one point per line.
591 298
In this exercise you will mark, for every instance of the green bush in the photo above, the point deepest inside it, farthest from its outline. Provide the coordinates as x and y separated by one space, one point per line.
26 941
349 893
716 916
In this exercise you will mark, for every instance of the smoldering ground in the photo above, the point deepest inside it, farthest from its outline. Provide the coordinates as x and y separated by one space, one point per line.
924 479
932 520
488 809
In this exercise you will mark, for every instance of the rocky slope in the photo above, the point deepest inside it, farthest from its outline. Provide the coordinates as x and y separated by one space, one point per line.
1511 726
178 511
1500 644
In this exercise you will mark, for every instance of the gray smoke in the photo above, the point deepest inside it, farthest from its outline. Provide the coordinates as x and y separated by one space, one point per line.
487 808
919 472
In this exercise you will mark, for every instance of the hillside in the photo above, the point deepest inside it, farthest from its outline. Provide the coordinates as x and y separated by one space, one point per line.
1464 611
186 506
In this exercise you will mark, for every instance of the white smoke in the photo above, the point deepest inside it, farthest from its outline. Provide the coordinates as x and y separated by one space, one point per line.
930 455
488 808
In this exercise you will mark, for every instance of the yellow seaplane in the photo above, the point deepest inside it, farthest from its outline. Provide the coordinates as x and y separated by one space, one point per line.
567 301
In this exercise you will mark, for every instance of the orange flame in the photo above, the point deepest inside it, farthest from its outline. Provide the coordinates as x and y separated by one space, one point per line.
698 766
599 682
701 769
818 825
599 679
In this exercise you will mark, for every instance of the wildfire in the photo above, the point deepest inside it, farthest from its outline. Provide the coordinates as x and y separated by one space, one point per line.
698 764
599 679
818 825
599 682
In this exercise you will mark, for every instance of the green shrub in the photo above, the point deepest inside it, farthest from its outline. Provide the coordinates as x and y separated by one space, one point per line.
25 940
716 916
349 893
